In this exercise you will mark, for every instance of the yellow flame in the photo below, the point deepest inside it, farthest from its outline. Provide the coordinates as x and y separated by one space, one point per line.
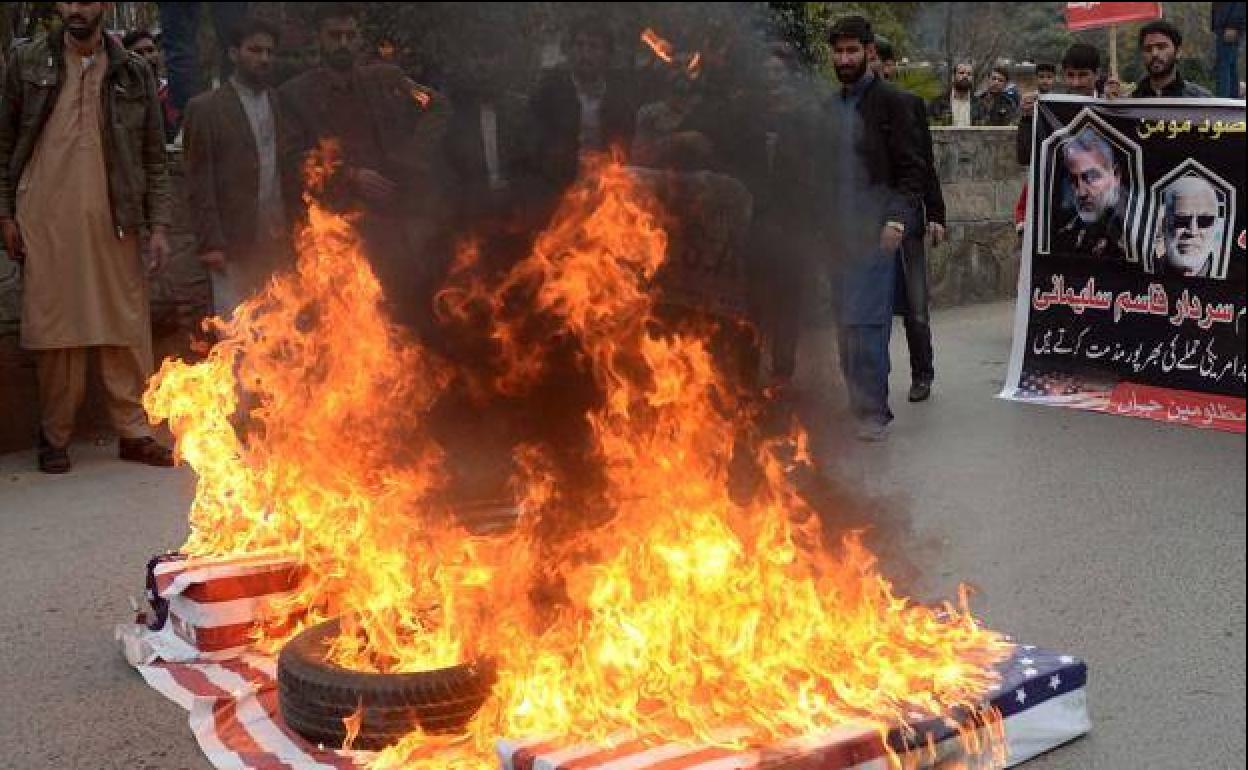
686 616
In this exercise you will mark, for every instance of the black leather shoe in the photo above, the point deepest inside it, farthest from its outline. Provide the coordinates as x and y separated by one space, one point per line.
920 391
53 459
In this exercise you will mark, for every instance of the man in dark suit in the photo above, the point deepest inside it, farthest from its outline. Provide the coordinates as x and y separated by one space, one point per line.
237 186
389 132
912 290
491 148
880 178
585 108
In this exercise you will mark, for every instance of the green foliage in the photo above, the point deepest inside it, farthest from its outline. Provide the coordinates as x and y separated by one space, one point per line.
924 83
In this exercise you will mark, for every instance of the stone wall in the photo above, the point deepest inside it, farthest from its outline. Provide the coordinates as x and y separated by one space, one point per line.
981 181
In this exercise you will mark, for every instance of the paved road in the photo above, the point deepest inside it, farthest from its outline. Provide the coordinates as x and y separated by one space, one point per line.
1119 540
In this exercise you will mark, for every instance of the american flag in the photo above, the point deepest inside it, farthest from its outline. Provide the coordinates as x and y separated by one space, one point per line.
231 697
1052 387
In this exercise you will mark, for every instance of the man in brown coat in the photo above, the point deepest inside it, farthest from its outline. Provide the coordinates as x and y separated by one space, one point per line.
389 132
235 172
82 175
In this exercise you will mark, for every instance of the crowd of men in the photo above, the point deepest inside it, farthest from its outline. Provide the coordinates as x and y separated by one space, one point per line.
85 202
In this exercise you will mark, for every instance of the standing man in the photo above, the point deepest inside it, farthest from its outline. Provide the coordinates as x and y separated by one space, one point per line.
390 132
958 107
1081 65
1159 52
234 172
82 174
912 289
881 176
1228 31
142 42
586 108
179 36
996 106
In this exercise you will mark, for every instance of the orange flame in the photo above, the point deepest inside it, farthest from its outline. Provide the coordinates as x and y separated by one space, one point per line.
690 616
694 68
352 724
661 48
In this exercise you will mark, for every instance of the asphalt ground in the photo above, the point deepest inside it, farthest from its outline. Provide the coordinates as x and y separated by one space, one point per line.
1117 540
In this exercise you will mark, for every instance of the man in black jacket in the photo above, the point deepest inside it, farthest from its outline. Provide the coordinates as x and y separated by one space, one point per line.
585 108
1159 52
912 291
878 174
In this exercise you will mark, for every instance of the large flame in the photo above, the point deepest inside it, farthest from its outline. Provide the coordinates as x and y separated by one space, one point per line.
687 616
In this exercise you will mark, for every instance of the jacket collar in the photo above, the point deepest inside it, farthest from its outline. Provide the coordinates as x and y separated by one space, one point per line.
117 55
1174 89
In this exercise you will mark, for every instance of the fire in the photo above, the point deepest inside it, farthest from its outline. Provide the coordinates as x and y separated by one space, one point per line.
352 725
661 48
687 616
694 67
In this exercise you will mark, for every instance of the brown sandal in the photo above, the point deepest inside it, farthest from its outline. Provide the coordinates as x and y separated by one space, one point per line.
146 451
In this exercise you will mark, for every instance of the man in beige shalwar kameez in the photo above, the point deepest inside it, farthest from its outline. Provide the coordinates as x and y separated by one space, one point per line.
82 174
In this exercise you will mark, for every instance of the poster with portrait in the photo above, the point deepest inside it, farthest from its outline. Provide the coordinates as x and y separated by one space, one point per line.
1132 286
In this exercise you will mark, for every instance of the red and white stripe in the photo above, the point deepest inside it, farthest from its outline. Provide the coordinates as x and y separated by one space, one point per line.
217 606
235 717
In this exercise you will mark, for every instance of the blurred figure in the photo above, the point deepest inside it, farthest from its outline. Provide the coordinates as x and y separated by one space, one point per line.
882 171
142 42
996 106
179 37
911 299
585 108
958 107
1160 42
501 198
664 137
390 134
77 192
1228 21
234 172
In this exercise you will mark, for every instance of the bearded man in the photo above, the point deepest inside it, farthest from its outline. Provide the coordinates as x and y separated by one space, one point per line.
82 179
1095 177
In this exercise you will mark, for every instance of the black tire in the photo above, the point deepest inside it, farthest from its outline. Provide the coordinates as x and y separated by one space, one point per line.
315 696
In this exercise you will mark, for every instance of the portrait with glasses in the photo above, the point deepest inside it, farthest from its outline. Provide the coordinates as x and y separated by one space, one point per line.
1190 237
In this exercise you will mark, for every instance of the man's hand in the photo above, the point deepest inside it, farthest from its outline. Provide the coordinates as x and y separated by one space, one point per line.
1230 35
13 245
158 250
372 185
213 260
1029 103
890 239
936 231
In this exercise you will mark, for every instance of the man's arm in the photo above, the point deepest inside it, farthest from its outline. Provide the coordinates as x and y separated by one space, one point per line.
201 176
909 169
10 118
157 201
1022 140
934 199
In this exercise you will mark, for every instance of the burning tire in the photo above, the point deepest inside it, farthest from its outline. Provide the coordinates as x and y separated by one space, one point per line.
316 695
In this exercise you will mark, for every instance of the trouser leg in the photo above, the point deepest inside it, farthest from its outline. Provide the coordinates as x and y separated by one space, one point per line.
62 377
125 371
917 320
865 365
179 37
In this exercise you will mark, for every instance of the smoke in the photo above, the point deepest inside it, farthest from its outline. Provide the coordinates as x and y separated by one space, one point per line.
738 113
